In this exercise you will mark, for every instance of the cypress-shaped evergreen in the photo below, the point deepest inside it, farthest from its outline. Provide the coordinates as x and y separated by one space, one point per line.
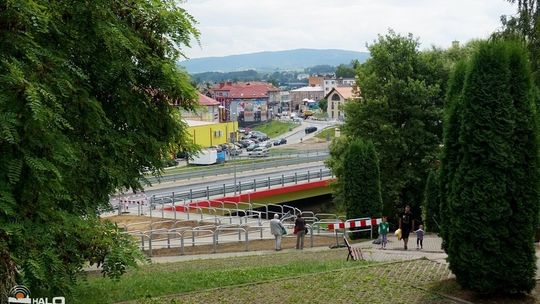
361 180
492 197
451 153
430 206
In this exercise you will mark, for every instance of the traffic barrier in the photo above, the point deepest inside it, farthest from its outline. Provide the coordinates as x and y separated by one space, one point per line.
355 224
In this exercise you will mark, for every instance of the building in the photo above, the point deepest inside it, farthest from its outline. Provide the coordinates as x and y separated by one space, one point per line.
208 110
330 83
246 102
207 134
298 96
336 98
316 80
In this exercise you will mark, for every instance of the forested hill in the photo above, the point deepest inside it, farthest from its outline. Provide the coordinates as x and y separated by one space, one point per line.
271 61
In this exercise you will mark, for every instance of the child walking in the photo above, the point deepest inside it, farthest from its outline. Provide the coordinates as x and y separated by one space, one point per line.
383 232
420 237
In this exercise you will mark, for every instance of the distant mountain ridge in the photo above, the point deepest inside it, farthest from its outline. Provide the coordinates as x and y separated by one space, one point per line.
275 60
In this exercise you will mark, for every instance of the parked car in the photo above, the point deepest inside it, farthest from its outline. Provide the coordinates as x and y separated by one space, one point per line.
266 144
310 129
235 151
258 135
252 147
281 141
258 152
244 143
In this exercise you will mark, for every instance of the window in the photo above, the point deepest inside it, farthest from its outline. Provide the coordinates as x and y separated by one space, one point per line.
336 97
332 107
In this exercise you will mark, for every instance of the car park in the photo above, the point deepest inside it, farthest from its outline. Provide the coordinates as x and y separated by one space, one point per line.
244 143
258 135
235 151
266 144
252 147
258 152
310 129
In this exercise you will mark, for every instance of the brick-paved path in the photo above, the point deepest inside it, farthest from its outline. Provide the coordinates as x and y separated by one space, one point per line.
402 282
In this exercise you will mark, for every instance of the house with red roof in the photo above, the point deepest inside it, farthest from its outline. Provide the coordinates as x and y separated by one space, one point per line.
246 102
337 97
207 110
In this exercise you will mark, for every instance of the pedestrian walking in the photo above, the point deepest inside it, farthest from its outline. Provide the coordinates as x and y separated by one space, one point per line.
300 230
406 224
383 231
420 237
278 230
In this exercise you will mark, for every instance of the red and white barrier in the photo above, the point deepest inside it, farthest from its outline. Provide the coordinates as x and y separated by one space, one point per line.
355 224
136 199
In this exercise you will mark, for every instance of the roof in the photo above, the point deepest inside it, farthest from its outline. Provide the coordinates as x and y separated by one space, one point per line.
345 92
196 123
207 101
246 89
309 89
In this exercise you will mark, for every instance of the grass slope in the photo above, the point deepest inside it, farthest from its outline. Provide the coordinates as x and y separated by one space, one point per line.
274 128
199 275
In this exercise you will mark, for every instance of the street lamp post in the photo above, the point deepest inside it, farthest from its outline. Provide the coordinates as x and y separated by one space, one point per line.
232 156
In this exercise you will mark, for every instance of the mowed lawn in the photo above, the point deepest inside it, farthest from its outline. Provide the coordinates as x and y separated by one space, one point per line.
275 128
285 277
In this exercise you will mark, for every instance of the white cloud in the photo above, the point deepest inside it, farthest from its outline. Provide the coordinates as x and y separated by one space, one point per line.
245 26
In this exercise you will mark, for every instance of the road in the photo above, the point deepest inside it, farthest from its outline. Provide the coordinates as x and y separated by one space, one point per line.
217 181
298 134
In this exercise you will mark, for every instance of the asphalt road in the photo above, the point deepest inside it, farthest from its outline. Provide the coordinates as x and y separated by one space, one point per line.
220 180
300 135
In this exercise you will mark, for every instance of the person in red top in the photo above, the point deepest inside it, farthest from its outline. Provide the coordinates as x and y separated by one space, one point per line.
300 228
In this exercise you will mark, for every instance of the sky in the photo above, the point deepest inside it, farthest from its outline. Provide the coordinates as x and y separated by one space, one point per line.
231 27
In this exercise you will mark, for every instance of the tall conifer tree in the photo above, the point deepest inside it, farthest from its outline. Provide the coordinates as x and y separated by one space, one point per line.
492 202
361 181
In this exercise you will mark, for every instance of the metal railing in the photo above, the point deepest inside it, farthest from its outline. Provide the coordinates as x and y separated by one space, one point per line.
225 189
242 167
203 235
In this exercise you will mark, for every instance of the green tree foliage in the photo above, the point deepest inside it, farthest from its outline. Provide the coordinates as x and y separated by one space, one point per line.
336 163
526 24
345 71
323 105
401 112
430 207
493 198
361 180
450 157
85 104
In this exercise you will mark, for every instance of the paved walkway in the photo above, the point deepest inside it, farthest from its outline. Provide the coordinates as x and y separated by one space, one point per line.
371 252
432 251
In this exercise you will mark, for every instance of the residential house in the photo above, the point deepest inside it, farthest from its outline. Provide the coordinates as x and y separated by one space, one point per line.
330 83
337 97
207 110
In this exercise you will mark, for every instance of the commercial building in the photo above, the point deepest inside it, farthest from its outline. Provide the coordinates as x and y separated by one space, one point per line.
246 102
299 96
206 125
207 134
